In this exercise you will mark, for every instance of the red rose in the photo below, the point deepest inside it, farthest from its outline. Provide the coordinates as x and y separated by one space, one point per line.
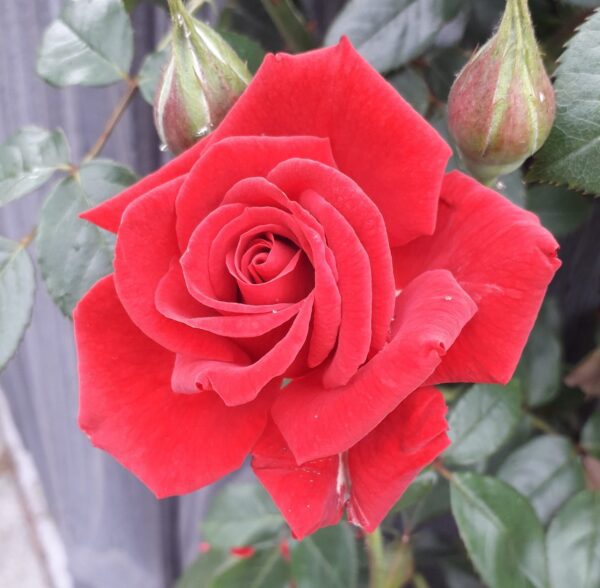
315 236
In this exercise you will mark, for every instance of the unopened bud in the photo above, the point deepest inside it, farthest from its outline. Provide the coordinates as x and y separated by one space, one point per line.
200 83
501 106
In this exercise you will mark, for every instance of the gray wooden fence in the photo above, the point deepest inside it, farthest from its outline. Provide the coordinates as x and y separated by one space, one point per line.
116 533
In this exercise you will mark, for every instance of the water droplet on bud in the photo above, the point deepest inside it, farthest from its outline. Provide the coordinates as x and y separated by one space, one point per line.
163 147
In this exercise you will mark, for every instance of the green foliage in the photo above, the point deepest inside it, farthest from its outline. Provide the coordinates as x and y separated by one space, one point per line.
90 43
412 87
560 210
546 471
150 73
571 155
327 558
204 569
28 158
482 421
242 514
574 543
220 569
389 33
422 486
248 49
501 532
540 366
74 254
265 569
590 435
17 291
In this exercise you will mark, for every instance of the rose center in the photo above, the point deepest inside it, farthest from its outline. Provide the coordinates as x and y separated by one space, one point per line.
265 257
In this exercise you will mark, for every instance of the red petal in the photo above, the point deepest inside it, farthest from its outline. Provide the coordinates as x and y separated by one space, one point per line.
503 258
296 176
305 495
231 160
385 462
354 283
239 383
174 301
108 214
174 443
145 247
315 422
377 139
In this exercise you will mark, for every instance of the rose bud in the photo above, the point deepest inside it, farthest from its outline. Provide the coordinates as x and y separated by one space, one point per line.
200 83
501 106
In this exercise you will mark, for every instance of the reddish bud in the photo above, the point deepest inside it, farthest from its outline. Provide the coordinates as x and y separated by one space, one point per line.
501 106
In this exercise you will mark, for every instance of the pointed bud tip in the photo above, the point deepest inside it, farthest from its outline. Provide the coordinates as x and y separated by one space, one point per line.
501 107
200 83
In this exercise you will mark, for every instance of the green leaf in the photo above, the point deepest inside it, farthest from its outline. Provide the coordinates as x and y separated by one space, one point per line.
439 121
151 72
242 514
590 435
571 155
390 33
248 49
265 569
74 254
420 488
412 87
501 532
482 421
540 365
443 68
28 158
584 3
574 543
547 471
560 210
512 187
203 570
17 290
327 558
90 43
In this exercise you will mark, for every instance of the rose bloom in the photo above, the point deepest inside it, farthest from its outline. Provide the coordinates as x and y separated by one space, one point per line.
313 236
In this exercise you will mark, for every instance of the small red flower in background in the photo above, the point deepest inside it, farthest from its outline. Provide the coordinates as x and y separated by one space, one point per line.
243 552
314 236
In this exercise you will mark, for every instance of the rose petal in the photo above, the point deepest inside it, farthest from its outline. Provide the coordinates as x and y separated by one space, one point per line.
231 160
239 383
334 93
503 258
354 283
108 214
315 422
174 301
385 462
174 443
306 495
296 176
299 226
376 138
145 247
327 312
